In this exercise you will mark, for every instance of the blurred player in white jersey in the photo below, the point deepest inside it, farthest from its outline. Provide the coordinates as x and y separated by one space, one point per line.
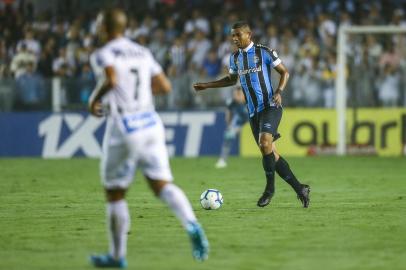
236 117
128 77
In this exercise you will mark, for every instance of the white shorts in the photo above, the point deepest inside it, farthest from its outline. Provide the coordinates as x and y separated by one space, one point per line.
132 141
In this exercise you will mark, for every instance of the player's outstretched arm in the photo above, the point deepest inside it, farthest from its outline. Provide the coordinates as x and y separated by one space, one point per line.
230 79
101 89
160 84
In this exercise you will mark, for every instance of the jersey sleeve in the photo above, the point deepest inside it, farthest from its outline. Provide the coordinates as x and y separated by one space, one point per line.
104 58
97 70
272 58
155 67
233 68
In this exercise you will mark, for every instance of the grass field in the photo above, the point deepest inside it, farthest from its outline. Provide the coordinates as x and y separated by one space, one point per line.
52 216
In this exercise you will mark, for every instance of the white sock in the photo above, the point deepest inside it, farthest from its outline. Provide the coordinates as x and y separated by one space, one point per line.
177 201
118 222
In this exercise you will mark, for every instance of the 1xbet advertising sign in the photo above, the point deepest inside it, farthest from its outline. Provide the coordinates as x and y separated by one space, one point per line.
63 135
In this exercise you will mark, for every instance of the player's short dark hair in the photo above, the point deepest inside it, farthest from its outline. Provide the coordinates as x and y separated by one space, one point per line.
241 24
115 20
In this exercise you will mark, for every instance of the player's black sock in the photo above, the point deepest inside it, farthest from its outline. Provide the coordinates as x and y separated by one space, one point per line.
268 162
284 171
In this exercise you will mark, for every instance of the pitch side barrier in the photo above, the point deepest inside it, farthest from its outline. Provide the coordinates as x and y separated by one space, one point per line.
378 131
65 135
189 133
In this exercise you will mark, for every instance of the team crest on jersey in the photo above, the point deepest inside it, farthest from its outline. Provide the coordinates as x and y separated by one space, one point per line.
256 59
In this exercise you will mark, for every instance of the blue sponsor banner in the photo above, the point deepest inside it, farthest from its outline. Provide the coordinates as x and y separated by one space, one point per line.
64 135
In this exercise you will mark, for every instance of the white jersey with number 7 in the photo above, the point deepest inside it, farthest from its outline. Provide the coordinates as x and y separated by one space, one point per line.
134 66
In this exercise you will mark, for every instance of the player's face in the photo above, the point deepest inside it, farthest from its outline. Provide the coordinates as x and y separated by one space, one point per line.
241 37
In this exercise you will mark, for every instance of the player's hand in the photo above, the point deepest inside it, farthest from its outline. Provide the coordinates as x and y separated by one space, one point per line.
96 108
199 86
277 98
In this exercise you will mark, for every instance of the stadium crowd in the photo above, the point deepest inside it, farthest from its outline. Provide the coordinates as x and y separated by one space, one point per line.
190 39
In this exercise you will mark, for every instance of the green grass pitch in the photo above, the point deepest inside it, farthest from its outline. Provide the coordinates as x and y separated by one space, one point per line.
52 216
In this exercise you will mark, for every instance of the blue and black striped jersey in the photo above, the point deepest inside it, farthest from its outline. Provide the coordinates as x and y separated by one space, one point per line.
253 66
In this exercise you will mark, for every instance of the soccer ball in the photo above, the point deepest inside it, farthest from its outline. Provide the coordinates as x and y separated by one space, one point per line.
211 199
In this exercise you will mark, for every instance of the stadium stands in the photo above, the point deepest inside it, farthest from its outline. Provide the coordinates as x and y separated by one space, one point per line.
190 39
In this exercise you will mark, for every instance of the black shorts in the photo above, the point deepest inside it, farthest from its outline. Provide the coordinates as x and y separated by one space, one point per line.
266 121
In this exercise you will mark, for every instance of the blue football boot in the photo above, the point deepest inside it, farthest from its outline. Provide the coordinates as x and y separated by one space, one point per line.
107 261
200 244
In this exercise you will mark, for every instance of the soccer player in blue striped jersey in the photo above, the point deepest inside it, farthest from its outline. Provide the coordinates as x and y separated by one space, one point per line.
252 64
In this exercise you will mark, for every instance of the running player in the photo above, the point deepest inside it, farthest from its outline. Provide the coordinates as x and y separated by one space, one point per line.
236 117
134 136
252 63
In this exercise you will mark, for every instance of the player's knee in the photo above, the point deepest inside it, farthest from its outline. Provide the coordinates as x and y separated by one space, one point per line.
265 144
230 135
115 195
265 149
156 186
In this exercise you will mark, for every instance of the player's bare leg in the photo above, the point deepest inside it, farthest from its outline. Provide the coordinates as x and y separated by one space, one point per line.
176 199
283 169
118 222
268 163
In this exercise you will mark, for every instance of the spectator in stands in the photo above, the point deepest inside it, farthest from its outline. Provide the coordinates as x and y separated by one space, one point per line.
272 38
398 17
390 56
148 25
30 91
133 30
310 35
226 47
306 84
211 67
21 60
180 96
3 59
328 75
30 43
170 30
46 59
62 66
374 49
197 23
198 48
86 83
159 48
389 86
59 31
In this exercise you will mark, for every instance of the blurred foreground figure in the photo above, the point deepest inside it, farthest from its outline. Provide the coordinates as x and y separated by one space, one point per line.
128 77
